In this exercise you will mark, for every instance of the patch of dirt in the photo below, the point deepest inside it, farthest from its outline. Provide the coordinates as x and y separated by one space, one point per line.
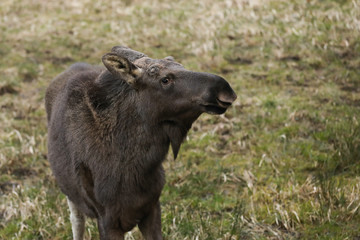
298 83
239 60
8 89
349 53
259 76
23 172
351 102
226 70
7 106
350 88
324 100
60 60
295 58
7 187
28 77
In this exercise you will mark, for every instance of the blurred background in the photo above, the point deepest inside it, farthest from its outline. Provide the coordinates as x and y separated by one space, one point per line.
282 163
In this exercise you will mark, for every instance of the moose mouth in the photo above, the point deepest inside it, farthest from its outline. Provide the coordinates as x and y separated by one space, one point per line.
216 108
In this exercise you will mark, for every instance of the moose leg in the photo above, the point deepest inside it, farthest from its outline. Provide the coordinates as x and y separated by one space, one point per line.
109 229
150 226
77 220
101 230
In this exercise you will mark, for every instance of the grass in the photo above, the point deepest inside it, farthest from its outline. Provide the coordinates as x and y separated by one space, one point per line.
282 163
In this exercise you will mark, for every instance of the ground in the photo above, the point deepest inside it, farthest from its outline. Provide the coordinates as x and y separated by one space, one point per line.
282 163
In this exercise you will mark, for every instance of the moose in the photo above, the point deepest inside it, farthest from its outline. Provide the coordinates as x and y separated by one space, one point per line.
110 129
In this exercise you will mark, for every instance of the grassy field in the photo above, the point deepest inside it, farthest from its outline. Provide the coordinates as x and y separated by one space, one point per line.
282 163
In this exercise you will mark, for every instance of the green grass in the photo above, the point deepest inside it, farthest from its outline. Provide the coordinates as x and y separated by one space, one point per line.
282 163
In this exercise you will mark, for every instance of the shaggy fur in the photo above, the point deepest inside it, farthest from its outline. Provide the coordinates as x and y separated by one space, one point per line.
110 129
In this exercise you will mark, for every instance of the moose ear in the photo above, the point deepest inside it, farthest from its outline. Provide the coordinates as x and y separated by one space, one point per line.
128 53
170 58
121 67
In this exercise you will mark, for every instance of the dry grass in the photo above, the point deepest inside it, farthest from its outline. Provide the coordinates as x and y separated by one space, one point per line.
283 163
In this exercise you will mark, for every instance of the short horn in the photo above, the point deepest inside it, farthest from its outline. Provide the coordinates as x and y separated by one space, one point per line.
127 53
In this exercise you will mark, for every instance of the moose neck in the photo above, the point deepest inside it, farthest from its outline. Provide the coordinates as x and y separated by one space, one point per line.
134 123
122 128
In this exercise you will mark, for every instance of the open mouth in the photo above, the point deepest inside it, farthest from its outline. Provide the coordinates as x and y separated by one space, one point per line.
223 104
213 109
216 108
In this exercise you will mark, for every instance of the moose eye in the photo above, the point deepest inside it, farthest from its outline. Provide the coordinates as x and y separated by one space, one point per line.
165 80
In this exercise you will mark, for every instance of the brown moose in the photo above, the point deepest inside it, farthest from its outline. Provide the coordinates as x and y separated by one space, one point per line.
109 130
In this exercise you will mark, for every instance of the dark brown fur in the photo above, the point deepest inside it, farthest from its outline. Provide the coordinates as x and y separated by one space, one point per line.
110 130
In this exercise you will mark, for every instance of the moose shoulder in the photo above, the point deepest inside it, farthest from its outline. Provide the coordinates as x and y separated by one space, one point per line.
109 130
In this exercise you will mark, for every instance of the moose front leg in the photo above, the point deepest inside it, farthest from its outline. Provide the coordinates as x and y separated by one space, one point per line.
77 220
109 227
150 226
